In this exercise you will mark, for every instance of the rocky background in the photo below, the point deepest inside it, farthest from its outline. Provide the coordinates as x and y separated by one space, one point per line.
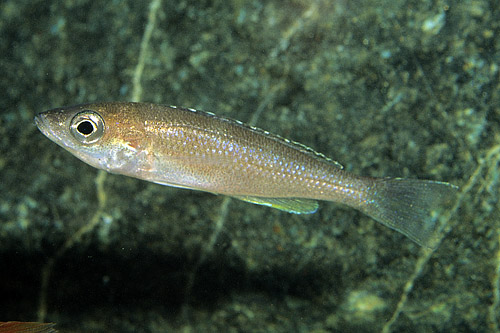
387 88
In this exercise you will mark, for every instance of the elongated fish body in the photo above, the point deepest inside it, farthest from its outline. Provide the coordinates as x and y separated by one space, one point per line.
201 151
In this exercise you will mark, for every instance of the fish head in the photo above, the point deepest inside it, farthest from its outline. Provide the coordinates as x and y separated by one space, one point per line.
102 135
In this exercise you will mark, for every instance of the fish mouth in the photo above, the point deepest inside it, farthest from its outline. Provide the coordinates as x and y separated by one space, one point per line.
42 123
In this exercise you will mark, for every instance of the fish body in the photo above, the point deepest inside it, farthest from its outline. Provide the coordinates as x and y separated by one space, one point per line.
201 151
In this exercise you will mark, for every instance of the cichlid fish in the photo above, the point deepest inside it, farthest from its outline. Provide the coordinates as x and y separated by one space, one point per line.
200 151
26 327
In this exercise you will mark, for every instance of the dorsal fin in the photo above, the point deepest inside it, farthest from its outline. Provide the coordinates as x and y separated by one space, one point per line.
290 143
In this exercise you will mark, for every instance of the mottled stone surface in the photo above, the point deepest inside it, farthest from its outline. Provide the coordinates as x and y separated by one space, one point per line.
408 88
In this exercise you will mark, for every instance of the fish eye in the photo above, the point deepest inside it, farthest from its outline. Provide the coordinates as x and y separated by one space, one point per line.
87 127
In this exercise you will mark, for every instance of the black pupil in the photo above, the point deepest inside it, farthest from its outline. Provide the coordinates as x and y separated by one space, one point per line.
85 127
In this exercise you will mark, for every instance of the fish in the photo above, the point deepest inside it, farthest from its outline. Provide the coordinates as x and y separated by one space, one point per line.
28 327
192 149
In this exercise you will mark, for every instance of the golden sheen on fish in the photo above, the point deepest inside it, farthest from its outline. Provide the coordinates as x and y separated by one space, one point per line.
201 151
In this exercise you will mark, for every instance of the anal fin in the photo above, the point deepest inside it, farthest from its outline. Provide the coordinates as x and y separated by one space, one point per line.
290 205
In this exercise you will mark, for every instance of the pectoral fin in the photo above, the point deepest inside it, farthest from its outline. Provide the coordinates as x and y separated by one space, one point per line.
290 205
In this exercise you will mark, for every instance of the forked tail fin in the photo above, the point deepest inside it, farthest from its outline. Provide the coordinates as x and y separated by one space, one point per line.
410 206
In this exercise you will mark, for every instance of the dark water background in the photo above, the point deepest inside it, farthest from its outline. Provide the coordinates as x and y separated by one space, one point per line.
388 88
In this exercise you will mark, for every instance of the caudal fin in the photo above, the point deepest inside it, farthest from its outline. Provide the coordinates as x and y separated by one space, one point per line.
410 207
